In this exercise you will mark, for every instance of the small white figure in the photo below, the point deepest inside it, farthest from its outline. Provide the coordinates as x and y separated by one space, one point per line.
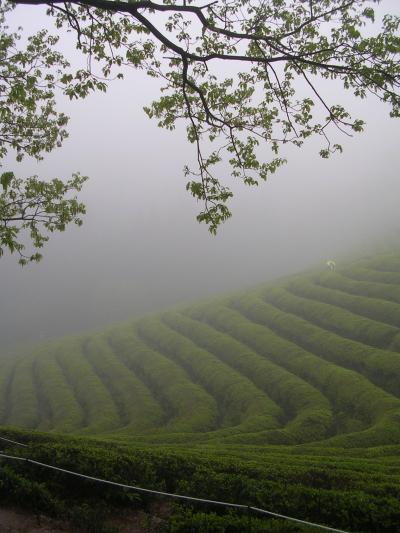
331 264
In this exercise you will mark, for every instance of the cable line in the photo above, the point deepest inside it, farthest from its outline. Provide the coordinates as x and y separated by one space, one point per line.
14 442
172 495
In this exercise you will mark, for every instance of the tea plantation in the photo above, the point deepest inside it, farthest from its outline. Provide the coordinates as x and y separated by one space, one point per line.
285 397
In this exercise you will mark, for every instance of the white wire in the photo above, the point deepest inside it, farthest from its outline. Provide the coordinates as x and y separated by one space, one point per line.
171 495
14 442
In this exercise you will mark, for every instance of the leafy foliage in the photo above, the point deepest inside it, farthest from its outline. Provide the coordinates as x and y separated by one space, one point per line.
30 125
356 491
278 52
29 122
32 209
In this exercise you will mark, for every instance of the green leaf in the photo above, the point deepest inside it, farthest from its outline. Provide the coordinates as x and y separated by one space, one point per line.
6 179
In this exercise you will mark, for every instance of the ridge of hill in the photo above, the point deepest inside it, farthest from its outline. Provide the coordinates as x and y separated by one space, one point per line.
285 397
311 360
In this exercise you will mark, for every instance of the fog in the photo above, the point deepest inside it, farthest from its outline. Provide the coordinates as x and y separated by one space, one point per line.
140 248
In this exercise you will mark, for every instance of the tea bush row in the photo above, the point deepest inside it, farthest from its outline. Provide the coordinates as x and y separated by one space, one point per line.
380 366
23 401
240 403
185 405
361 273
352 395
373 289
330 317
356 499
66 414
100 410
131 396
310 410
374 331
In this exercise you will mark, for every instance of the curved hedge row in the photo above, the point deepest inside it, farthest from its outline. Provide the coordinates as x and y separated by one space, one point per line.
382 263
332 310
240 403
312 360
311 411
380 366
370 289
365 274
265 375
23 401
101 413
7 369
395 346
186 407
380 312
131 396
350 393
237 356
66 414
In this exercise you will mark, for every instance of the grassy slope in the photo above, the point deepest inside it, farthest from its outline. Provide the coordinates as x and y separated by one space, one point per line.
355 489
314 358
305 373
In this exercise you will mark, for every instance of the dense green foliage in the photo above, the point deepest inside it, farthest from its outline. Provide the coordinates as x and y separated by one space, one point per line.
313 358
31 72
286 397
355 490
280 55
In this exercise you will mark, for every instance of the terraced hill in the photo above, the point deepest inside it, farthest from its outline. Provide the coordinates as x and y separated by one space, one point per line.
311 359
285 397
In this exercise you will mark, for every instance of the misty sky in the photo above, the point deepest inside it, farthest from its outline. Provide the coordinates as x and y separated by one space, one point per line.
141 249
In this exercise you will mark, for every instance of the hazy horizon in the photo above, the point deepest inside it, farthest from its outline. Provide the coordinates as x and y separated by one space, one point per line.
140 248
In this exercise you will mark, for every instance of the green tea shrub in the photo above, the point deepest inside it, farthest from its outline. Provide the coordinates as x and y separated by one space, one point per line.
18 489
100 410
309 410
23 399
396 343
186 407
7 368
352 395
387 295
330 317
348 324
232 353
184 520
66 414
365 274
132 398
239 401
380 366
354 490
384 263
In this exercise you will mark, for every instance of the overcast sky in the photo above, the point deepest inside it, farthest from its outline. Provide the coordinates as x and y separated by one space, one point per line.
141 249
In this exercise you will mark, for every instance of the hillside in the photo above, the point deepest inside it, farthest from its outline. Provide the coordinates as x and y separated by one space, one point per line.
285 397
310 359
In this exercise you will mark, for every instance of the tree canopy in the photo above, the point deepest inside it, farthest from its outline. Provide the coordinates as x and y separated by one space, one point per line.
243 75
30 125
